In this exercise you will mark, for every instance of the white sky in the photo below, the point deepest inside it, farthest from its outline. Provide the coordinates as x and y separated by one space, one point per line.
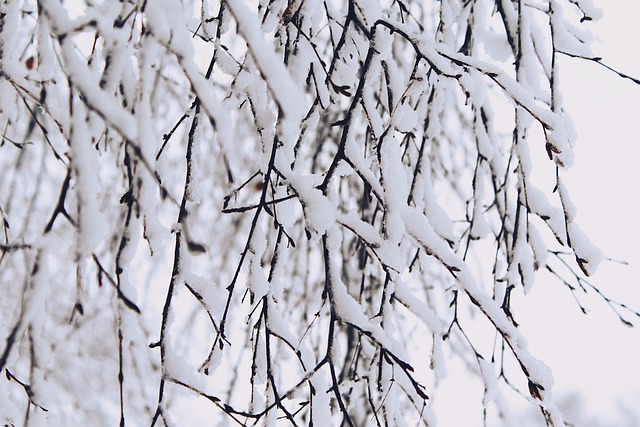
596 354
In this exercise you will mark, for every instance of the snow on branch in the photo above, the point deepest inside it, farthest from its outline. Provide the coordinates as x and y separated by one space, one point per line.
279 212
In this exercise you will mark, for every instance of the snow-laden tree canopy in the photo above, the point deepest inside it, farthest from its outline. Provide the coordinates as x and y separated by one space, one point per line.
290 213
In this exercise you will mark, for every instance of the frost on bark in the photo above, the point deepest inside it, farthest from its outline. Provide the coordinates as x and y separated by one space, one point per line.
283 212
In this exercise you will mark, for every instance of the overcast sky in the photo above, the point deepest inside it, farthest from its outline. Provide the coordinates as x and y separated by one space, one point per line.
596 354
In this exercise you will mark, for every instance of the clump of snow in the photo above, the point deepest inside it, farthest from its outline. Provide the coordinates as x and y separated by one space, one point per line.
490 381
319 211
301 62
257 281
371 11
591 11
175 365
93 227
438 217
288 210
405 118
476 90
420 309
375 121
527 268
479 225
552 216
538 246
385 250
10 414
495 45
396 188
567 37
587 254
567 204
321 407
354 151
